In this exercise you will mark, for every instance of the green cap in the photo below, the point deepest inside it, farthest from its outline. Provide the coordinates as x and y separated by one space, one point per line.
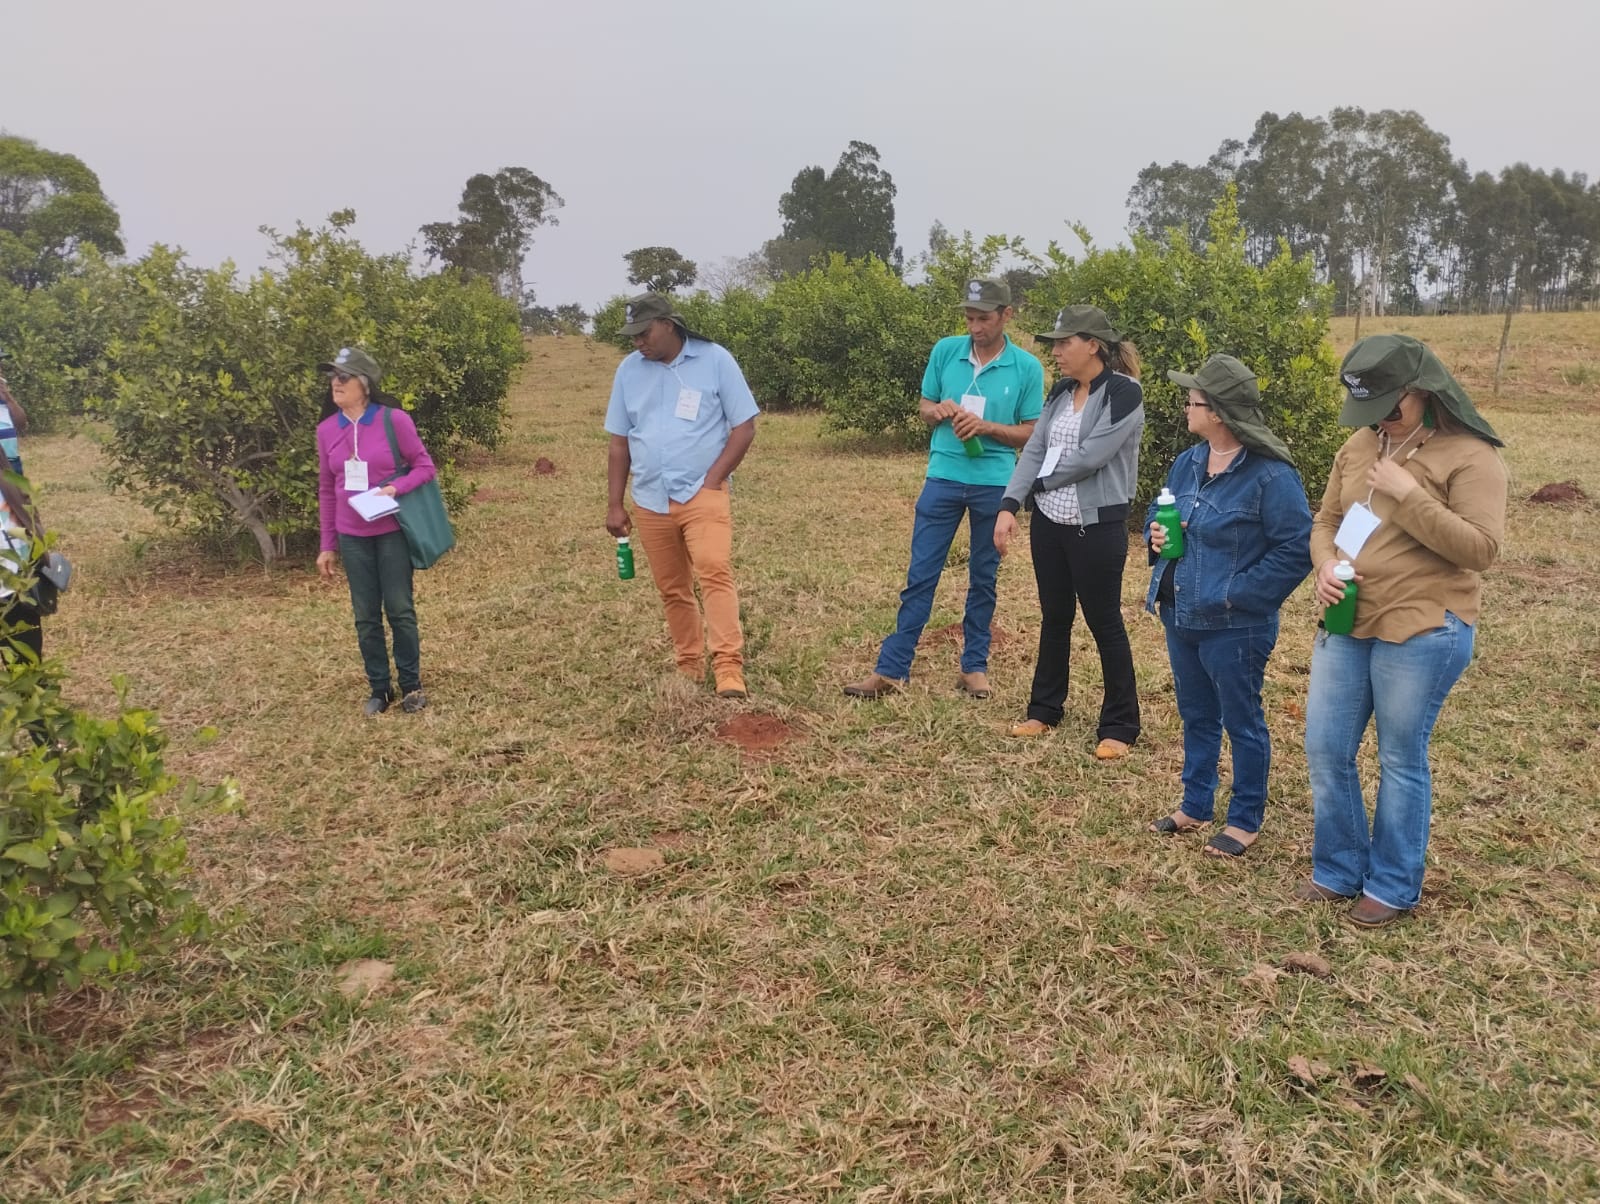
1381 368
987 293
645 309
1235 398
1082 320
356 362
1222 378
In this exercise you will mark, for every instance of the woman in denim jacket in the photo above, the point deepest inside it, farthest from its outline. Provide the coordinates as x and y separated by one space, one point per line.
1246 546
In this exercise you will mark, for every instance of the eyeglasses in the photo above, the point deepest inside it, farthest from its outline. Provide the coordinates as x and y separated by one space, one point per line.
1191 404
342 377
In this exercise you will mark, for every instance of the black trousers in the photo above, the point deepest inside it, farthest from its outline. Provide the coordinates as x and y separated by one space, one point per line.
17 615
1073 565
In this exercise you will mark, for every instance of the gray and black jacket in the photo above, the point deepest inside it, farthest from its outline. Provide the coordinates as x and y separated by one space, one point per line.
1105 468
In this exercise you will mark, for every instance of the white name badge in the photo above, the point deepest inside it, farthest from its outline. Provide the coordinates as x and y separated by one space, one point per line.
355 476
1358 526
688 405
973 404
1052 457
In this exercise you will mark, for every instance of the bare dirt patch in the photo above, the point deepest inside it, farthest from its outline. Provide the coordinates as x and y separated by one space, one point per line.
999 637
629 862
756 733
544 466
120 1110
1559 493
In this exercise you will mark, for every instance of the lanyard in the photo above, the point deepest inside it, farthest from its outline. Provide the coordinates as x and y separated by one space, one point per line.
355 438
1388 454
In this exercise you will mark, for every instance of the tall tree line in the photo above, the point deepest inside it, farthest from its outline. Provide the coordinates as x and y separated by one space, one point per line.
1388 215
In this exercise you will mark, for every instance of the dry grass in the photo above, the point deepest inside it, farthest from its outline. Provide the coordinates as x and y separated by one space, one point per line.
891 957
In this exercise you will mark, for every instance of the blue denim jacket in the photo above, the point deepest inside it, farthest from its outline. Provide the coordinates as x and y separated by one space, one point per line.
1247 545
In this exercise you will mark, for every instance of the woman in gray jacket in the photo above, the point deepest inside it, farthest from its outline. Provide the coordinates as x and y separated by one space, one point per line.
1077 473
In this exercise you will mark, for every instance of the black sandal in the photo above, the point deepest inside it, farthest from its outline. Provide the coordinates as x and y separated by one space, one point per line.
1226 846
1171 827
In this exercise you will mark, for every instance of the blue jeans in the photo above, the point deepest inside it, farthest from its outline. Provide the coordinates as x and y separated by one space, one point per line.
1217 677
1402 686
378 568
939 510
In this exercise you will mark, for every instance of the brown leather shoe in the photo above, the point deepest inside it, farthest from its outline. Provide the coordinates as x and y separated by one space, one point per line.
1313 892
730 684
1111 750
973 685
1369 913
874 685
1029 728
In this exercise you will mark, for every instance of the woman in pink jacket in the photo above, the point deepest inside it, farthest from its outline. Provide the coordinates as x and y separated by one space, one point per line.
354 457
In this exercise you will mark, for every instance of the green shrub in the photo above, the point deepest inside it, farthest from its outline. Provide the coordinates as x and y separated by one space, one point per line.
1180 305
92 862
215 396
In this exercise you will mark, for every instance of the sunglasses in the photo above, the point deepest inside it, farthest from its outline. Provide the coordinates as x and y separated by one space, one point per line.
343 378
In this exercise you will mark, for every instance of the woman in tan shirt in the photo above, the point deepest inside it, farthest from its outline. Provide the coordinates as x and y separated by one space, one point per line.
1424 466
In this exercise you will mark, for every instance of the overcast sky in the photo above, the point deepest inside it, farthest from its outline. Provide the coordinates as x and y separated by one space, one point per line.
682 123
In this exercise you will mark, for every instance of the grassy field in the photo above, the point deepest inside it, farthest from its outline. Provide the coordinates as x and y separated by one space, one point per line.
887 956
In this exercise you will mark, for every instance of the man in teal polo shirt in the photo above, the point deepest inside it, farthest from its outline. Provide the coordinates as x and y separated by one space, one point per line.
981 394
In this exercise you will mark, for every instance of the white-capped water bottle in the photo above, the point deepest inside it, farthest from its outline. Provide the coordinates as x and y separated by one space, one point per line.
1171 523
1340 618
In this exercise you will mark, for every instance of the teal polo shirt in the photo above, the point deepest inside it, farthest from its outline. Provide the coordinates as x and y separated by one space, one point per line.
1012 388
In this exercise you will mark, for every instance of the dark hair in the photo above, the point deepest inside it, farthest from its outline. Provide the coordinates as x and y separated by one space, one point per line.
1121 357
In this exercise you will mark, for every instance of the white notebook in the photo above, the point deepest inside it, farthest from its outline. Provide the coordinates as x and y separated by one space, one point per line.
373 505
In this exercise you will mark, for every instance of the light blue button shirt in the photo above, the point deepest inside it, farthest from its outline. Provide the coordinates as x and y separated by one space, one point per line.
670 451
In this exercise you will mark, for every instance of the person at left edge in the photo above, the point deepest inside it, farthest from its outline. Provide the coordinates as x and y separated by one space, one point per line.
13 421
353 455
681 419
979 386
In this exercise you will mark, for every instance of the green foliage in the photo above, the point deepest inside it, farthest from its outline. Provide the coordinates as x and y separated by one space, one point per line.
659 269
849 336
51 205
853 338
216 398
60 334
1180 305
849 210
91 861
490 239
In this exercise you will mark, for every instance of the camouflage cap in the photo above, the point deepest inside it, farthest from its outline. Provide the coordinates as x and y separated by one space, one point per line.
645 309
1087 320
356 362
1222 378
987 293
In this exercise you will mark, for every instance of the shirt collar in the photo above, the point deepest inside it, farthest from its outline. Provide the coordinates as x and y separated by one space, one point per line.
1003 358
365 419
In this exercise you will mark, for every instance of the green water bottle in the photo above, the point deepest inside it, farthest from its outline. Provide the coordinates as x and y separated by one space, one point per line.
1172 523
624 558
1340 618
974 446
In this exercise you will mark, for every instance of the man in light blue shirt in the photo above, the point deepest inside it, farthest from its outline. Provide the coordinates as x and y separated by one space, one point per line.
981 394
681 418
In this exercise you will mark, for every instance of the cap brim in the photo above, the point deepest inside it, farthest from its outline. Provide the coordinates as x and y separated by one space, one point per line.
1369 411
1051 336
987 307
1185 380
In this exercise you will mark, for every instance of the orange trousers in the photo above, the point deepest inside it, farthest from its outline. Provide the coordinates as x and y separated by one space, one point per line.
694 540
